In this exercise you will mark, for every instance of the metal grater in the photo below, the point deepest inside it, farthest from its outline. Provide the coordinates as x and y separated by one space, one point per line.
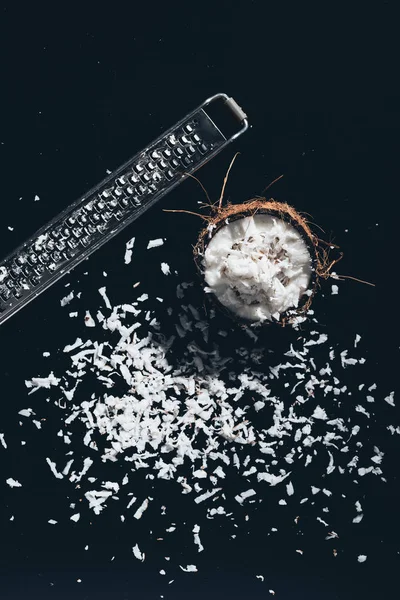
112 205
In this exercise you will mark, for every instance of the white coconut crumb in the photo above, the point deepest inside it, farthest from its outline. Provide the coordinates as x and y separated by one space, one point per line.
200 474
320 413
390 399
196 531
26 412
89 321
75 517
97 499
42 382
261 577
189 568
138 514
272 592
10 228
347 361
78 342
67 299
165 268
53 469
52 522
322 338
13 482
335 290
103 294
143 297
137 553
272 479
362 558
206 495
290 489
3 441
36 199
258 267
155 243
247 494
128 251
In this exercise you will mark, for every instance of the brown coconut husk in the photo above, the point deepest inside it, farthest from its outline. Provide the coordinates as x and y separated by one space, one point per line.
320 250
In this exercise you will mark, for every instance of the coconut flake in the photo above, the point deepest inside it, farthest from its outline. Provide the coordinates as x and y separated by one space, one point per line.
390 399
165 268
103 294
155 243
53 469
320 413
13 482
128 251
196 530
89 321
96 499
362 558
206 495
290 489
75 517
42 382
247 494
137 553
26 412
358 518
189 568
67 299
138 514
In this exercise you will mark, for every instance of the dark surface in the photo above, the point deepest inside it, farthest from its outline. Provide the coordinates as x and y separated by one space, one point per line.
84 90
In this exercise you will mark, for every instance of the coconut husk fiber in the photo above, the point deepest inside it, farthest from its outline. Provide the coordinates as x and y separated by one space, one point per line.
320 250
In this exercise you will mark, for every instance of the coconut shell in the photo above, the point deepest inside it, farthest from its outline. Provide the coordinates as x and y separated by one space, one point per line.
319 250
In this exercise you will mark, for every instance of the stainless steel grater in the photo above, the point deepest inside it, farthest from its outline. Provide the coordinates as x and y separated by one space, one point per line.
113 204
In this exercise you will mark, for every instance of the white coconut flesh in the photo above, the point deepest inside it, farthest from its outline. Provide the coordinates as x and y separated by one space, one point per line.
258 267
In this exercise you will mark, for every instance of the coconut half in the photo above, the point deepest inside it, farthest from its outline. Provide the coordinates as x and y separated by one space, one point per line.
260 261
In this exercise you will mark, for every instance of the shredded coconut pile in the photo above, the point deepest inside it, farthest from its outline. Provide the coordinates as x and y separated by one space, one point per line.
258 267
173 398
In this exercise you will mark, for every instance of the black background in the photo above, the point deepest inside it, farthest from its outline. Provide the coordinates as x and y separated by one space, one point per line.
84 89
